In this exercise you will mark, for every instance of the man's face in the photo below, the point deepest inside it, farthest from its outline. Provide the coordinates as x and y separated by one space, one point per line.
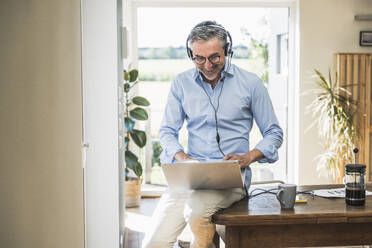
211 50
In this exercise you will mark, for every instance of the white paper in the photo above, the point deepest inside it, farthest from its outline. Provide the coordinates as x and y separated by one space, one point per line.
329 193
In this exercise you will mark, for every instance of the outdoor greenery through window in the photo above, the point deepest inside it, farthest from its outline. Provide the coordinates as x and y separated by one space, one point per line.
162 54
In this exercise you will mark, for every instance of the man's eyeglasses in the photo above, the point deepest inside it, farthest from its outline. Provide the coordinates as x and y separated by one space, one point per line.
214 59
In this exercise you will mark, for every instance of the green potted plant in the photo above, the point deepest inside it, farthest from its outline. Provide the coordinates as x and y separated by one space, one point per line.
133 112
333 111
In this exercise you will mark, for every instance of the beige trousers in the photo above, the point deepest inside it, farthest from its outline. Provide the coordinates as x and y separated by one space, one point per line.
177 208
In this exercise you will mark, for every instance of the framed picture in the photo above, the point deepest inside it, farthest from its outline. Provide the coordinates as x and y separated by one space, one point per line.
365 38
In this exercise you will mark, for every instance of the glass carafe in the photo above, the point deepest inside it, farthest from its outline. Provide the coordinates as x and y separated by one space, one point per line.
355 187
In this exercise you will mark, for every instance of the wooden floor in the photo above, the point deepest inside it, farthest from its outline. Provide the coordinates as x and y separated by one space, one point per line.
136 221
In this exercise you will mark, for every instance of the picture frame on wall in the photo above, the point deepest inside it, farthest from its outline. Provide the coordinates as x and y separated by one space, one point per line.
365 38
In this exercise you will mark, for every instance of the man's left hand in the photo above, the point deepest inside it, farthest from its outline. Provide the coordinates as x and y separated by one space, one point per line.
246 159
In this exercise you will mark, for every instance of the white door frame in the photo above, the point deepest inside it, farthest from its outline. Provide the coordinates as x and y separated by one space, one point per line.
293 69
101 79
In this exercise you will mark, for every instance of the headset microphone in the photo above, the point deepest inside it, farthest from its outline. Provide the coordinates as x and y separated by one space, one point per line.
227 52
218 138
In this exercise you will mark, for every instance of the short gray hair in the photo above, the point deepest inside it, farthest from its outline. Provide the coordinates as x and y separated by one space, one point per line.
207 30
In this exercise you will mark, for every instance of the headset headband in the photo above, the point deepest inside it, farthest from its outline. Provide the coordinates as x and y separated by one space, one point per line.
228 46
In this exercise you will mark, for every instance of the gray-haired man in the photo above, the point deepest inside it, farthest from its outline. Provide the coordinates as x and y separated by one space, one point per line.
219 101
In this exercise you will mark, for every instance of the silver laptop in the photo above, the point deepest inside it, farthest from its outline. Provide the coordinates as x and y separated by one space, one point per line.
203 175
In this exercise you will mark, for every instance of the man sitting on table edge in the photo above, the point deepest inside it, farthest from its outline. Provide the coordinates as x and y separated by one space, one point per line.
219 101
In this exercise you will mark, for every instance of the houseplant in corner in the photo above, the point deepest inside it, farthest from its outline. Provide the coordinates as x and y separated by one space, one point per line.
135 139
334 111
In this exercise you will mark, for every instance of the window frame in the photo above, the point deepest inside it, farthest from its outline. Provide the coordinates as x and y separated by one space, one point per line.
292 138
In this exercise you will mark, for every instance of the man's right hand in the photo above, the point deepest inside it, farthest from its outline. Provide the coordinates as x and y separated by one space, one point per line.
183 157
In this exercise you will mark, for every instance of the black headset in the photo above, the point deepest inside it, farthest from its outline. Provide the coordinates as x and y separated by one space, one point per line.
227 52
203 25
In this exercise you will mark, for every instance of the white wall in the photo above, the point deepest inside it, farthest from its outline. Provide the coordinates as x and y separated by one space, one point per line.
41 177
326 27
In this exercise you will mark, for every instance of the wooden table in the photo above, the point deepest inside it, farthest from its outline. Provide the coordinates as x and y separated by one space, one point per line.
260 222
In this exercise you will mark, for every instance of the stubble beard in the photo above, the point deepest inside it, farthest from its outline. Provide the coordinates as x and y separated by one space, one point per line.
212 74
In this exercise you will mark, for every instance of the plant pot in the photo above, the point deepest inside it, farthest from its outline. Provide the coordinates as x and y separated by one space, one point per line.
132 192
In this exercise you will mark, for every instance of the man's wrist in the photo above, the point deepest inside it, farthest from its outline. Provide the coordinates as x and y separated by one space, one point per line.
254 155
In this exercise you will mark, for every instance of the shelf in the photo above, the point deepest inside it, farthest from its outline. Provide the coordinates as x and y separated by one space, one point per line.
367 17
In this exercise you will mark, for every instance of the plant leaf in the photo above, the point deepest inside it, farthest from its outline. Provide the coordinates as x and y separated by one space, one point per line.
141 101
131 160
139 114
128 124
321 77
138 170
139 137
126 75
126 87
133 75
126 142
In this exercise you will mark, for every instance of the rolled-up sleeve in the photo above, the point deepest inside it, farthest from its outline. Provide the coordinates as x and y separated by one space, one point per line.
172 122
263 113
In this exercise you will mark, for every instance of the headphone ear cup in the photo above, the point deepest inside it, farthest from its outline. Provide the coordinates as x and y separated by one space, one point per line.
189 53
227 49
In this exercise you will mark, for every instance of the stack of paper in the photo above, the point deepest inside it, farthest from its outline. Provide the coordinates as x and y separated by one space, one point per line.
338 192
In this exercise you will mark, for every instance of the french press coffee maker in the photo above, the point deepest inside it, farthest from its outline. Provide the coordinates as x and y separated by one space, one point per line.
355 187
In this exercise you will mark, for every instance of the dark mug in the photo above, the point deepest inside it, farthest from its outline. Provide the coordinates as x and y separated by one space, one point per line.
286 195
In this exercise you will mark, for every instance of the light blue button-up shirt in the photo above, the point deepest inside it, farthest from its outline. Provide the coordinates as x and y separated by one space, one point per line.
242 98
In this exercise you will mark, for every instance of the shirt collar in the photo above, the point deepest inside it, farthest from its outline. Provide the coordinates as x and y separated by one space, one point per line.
228 73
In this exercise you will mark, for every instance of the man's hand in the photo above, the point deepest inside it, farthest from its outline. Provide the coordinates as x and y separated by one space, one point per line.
246 159
183 157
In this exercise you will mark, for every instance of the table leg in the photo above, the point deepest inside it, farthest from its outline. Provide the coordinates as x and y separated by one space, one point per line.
232 237
216 240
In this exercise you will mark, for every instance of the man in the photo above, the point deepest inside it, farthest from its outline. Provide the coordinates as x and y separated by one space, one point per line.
219 102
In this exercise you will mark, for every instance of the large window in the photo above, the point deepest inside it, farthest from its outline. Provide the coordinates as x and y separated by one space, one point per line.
260 38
